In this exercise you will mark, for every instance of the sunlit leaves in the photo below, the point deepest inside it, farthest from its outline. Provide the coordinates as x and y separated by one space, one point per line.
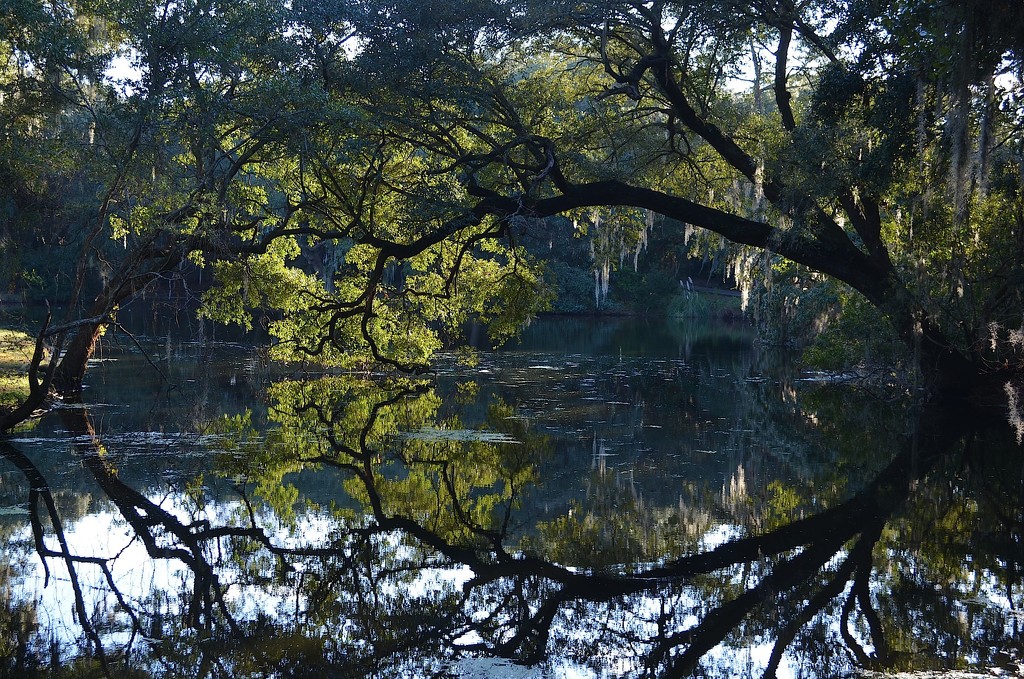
459 487
257 282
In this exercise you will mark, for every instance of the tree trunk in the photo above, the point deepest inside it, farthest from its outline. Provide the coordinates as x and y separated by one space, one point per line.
948 374
131 277
73 364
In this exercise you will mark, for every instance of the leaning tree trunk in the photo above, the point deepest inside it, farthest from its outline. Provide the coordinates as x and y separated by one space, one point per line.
131 278
948 374
74 360
70 372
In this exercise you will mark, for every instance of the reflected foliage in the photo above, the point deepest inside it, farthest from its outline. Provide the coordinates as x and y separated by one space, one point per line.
369 530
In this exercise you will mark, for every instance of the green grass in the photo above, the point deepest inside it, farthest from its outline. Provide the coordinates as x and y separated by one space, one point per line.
15 353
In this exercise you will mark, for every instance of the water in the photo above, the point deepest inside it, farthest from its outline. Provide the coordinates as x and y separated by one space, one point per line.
605 499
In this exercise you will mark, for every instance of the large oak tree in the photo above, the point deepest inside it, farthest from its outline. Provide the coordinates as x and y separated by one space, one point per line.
876 143
408 146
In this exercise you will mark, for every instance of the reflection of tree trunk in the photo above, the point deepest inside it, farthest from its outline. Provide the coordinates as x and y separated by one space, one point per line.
39 489
821 537
803 550
191 541
144 515
785 576
860 553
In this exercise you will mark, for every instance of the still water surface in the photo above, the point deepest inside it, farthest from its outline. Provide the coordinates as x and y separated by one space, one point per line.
620 498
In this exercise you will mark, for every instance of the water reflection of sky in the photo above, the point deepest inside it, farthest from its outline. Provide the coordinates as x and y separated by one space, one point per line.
104 535
645 446
135 575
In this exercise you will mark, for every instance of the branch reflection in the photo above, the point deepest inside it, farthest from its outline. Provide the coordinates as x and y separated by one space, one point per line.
415 541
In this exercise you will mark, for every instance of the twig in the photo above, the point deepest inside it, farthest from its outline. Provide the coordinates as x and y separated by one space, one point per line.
144 352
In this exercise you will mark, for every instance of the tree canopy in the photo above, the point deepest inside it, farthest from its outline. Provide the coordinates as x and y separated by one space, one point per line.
364 174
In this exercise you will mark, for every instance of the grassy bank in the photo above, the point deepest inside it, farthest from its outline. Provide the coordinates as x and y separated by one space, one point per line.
15 353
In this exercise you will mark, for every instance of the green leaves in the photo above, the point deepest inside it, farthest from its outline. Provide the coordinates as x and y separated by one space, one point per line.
259 282
365 175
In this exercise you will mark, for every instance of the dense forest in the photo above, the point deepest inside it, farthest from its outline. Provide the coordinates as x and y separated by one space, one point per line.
369 177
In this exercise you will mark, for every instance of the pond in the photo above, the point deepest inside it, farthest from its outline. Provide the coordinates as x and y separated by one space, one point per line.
603 499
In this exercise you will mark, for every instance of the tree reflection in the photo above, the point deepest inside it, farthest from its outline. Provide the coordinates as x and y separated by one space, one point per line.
413 547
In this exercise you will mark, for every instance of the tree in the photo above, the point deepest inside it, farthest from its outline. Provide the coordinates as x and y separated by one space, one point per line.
889 160
173 161
406 149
